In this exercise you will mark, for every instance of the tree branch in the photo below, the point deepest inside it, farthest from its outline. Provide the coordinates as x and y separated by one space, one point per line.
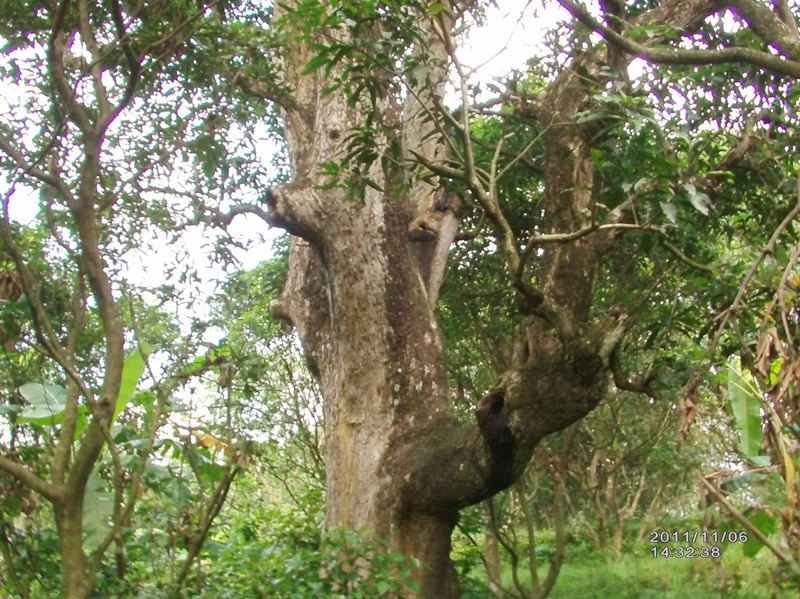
29 169
41 323
223 219
96 67
134 64
195 542
689 57
785 14
541 238
638 386
771 26
726 315
5 550
55 59
122 512
26 477
663 242
487 198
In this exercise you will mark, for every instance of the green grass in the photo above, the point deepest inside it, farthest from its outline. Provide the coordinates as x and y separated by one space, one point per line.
640 576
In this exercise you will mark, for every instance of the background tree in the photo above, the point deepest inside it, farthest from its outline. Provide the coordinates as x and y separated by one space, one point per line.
92 129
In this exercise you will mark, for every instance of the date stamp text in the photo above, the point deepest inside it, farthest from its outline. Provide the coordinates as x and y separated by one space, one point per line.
691 544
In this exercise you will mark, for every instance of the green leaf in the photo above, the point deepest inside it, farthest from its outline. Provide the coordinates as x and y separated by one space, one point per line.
81 420
698 199
205 466
746 403
670 211
735 483
760 461
47 403
382 587
764 522
9 410
315 63
131 373
98 507
373 184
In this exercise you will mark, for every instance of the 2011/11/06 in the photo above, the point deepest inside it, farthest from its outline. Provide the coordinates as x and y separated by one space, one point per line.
729 536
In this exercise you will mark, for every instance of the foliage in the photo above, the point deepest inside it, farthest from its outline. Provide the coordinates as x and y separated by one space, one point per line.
284 551
99 128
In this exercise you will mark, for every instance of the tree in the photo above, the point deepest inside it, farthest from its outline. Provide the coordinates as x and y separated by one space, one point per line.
91 126
361 290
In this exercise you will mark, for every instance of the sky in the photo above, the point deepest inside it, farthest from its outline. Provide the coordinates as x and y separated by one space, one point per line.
511 35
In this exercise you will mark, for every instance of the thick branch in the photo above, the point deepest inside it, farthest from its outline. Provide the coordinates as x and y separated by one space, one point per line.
687 57
770 26
25 476
223 219
508 241
784 12
638 386
486 195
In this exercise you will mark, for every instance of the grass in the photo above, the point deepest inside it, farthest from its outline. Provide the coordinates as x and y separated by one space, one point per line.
637 575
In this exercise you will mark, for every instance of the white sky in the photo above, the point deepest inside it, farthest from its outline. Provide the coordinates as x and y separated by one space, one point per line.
512 34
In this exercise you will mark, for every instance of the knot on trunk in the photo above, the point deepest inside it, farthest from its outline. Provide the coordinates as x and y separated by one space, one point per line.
286 204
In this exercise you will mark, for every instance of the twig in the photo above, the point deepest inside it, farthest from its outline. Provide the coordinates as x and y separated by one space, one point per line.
728 313
683 257
749 526
8 559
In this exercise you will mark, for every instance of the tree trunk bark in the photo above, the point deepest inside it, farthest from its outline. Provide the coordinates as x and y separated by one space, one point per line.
76 583
492 553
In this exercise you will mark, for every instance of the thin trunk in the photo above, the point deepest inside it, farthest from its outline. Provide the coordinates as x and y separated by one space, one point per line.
530 529
559 501
492 553
77 582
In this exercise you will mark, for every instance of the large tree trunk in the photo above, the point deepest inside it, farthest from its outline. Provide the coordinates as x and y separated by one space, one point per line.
360 293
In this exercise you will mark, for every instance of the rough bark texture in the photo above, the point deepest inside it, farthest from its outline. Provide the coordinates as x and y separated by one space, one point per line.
360 292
